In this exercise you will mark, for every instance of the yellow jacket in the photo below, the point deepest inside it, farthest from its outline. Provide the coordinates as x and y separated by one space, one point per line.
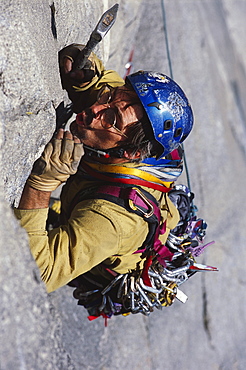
97 230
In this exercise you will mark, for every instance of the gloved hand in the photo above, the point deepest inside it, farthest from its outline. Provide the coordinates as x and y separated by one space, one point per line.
59 160
79 78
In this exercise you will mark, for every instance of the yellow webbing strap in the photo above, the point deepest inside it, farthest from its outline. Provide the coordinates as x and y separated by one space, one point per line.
129 171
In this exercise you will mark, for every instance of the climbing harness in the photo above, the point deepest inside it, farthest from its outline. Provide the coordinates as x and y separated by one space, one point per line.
155 282
165 267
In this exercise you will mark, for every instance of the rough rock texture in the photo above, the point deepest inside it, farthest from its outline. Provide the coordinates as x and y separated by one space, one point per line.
208 53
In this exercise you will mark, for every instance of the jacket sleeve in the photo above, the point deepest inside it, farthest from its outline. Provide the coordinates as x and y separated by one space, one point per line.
84 94
70 250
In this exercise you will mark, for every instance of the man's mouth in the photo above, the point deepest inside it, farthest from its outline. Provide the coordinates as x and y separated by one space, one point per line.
85 118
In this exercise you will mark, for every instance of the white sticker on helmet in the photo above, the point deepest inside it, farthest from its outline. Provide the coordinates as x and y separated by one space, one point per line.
142 88
175 105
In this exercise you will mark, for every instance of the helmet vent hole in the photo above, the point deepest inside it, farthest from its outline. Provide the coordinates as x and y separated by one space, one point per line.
178 132
167 124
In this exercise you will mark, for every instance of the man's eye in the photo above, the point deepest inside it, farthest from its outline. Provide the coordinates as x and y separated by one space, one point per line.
118 116
109 118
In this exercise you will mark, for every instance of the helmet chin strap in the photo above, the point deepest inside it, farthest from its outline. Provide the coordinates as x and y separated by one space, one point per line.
117 152
107 153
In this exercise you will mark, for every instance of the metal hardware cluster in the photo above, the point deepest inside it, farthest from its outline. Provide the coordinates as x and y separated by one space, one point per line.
134 296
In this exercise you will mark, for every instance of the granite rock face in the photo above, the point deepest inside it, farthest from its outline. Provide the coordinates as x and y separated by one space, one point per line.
207 54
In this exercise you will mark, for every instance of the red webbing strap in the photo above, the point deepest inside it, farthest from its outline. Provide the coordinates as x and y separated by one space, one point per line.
147 184
175 154
145 274
91 318
130 194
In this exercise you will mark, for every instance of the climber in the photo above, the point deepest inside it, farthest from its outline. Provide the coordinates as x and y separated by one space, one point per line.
125 132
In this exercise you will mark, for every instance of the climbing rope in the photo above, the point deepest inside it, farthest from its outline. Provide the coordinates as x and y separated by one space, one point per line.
171 75
166 38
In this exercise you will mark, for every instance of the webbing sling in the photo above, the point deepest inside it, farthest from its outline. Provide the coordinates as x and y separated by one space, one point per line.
132 181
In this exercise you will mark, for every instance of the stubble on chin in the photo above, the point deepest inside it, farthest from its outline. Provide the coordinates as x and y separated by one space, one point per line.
74 130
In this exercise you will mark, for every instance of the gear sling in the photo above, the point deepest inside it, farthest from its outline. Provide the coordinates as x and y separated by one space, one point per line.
103 297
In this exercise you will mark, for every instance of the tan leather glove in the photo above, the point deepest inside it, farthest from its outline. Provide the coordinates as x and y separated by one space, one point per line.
59 160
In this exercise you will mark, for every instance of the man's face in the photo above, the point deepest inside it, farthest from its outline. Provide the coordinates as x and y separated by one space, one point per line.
88 125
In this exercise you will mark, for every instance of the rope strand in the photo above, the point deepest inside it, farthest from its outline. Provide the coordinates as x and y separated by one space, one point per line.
171 75
166 38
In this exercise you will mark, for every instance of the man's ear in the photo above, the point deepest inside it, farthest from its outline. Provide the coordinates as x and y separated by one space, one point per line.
129 156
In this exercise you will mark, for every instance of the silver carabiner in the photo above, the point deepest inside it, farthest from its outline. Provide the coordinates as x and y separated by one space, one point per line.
111 285
148 288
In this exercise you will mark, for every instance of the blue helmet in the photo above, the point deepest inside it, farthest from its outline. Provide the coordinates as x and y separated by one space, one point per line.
167 108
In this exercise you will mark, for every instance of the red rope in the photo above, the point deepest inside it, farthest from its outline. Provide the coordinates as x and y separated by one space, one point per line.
145 275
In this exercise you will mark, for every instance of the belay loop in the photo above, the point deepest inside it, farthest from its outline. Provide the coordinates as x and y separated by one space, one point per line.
166 267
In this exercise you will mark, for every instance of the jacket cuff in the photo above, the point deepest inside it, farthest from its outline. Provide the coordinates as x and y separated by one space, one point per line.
32 220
